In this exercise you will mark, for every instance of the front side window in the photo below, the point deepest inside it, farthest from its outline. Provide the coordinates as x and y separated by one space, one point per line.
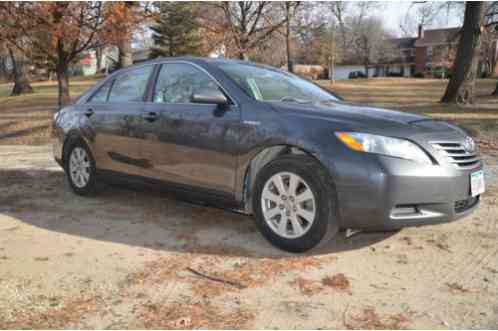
271 85
102 94
131 85
178 81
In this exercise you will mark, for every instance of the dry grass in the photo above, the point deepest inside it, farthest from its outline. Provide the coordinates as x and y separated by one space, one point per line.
249 272
422 96
306 286
26 119
180 316
369 319
337 281
57 316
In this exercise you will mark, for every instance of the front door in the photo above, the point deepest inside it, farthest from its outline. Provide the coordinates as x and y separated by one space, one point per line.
115 117
188 143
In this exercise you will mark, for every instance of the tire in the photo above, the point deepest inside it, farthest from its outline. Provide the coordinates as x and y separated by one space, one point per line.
85 183
312 229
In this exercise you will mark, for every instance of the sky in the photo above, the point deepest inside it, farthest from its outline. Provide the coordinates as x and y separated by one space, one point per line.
393 12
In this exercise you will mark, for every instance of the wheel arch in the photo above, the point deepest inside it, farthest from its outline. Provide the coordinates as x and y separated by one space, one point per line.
71 138
262 158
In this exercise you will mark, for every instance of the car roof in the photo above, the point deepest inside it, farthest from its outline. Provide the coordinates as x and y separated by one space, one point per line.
198 60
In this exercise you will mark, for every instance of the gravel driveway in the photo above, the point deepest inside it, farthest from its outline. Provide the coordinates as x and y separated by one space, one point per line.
127 259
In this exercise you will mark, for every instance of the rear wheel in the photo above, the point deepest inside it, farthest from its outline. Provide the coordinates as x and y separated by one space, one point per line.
294 203
80 169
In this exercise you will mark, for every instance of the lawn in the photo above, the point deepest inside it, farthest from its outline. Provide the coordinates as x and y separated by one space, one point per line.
26 119
422 96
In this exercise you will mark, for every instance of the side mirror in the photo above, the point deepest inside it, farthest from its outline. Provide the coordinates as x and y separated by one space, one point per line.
210 96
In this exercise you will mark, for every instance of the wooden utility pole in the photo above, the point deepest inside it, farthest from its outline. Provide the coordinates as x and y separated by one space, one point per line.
332 57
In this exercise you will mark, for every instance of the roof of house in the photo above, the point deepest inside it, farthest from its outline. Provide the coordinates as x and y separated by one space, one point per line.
438 37
404 42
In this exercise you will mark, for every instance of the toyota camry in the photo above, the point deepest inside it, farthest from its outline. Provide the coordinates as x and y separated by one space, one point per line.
267 143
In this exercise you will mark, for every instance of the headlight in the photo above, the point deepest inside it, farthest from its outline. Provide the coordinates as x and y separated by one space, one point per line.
395 147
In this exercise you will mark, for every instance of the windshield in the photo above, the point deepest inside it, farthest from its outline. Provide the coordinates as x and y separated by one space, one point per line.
271 85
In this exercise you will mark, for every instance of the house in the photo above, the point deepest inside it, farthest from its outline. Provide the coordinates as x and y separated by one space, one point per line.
400 61
412 56
435 48
427 53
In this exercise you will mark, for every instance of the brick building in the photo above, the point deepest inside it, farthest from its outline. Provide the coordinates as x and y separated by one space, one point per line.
435 48
430 51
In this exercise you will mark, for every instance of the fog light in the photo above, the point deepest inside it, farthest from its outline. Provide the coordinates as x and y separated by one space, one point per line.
403 211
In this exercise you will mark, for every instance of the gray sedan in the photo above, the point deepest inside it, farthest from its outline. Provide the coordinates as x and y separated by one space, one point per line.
255 139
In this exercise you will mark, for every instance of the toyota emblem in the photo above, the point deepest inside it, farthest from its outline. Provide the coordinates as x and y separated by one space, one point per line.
469 145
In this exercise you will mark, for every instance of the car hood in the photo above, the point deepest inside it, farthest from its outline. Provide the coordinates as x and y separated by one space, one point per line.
345 116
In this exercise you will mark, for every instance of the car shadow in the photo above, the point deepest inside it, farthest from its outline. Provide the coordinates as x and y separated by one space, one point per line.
153 220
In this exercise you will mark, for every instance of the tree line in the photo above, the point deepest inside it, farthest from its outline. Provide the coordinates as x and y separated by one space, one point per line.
56 35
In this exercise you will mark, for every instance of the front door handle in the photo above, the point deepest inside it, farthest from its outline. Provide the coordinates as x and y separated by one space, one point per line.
89 112
150 116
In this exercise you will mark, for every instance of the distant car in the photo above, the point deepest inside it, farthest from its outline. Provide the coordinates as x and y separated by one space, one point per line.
265 142
357 74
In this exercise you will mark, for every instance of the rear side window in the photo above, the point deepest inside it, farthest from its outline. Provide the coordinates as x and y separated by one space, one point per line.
131 85
178 81
102 94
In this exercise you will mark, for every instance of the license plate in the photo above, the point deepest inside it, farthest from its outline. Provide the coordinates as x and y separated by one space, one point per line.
477 183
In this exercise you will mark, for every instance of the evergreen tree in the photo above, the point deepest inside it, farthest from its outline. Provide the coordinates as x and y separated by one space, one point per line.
176 30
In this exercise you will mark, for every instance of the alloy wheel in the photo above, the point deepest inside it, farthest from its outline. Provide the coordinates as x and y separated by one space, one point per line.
79 167
289 206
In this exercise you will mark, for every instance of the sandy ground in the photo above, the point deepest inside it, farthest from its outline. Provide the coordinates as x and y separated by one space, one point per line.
127 259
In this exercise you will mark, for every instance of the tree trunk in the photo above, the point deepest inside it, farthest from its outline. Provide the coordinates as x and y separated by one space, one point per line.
495 92
125 52
63 84
287 38
21 80
3 70
99 55
461 87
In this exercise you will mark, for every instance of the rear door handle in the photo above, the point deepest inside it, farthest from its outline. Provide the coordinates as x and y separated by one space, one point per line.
150 116
89 112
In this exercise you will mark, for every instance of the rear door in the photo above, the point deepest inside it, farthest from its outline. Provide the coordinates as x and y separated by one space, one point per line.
190 144
115 117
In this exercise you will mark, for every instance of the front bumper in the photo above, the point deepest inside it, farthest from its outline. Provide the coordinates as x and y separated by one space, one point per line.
397 193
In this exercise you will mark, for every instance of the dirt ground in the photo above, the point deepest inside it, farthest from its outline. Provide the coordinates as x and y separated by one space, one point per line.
128 259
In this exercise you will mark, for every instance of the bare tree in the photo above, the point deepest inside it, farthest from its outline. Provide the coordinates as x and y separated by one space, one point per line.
461 87
491 24
19 63
18 59
419 14
369 41
249 23
290 8
339 12
61 31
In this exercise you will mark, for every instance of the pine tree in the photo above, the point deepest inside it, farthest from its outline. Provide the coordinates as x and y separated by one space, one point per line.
176 30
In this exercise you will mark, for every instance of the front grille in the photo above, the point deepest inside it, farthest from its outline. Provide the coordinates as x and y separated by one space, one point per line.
456 154
463 205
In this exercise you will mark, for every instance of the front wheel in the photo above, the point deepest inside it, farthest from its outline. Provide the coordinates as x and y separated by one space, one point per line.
294 203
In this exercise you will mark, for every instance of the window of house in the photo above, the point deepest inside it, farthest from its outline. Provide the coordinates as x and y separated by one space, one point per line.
429 51
131 85
178 81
